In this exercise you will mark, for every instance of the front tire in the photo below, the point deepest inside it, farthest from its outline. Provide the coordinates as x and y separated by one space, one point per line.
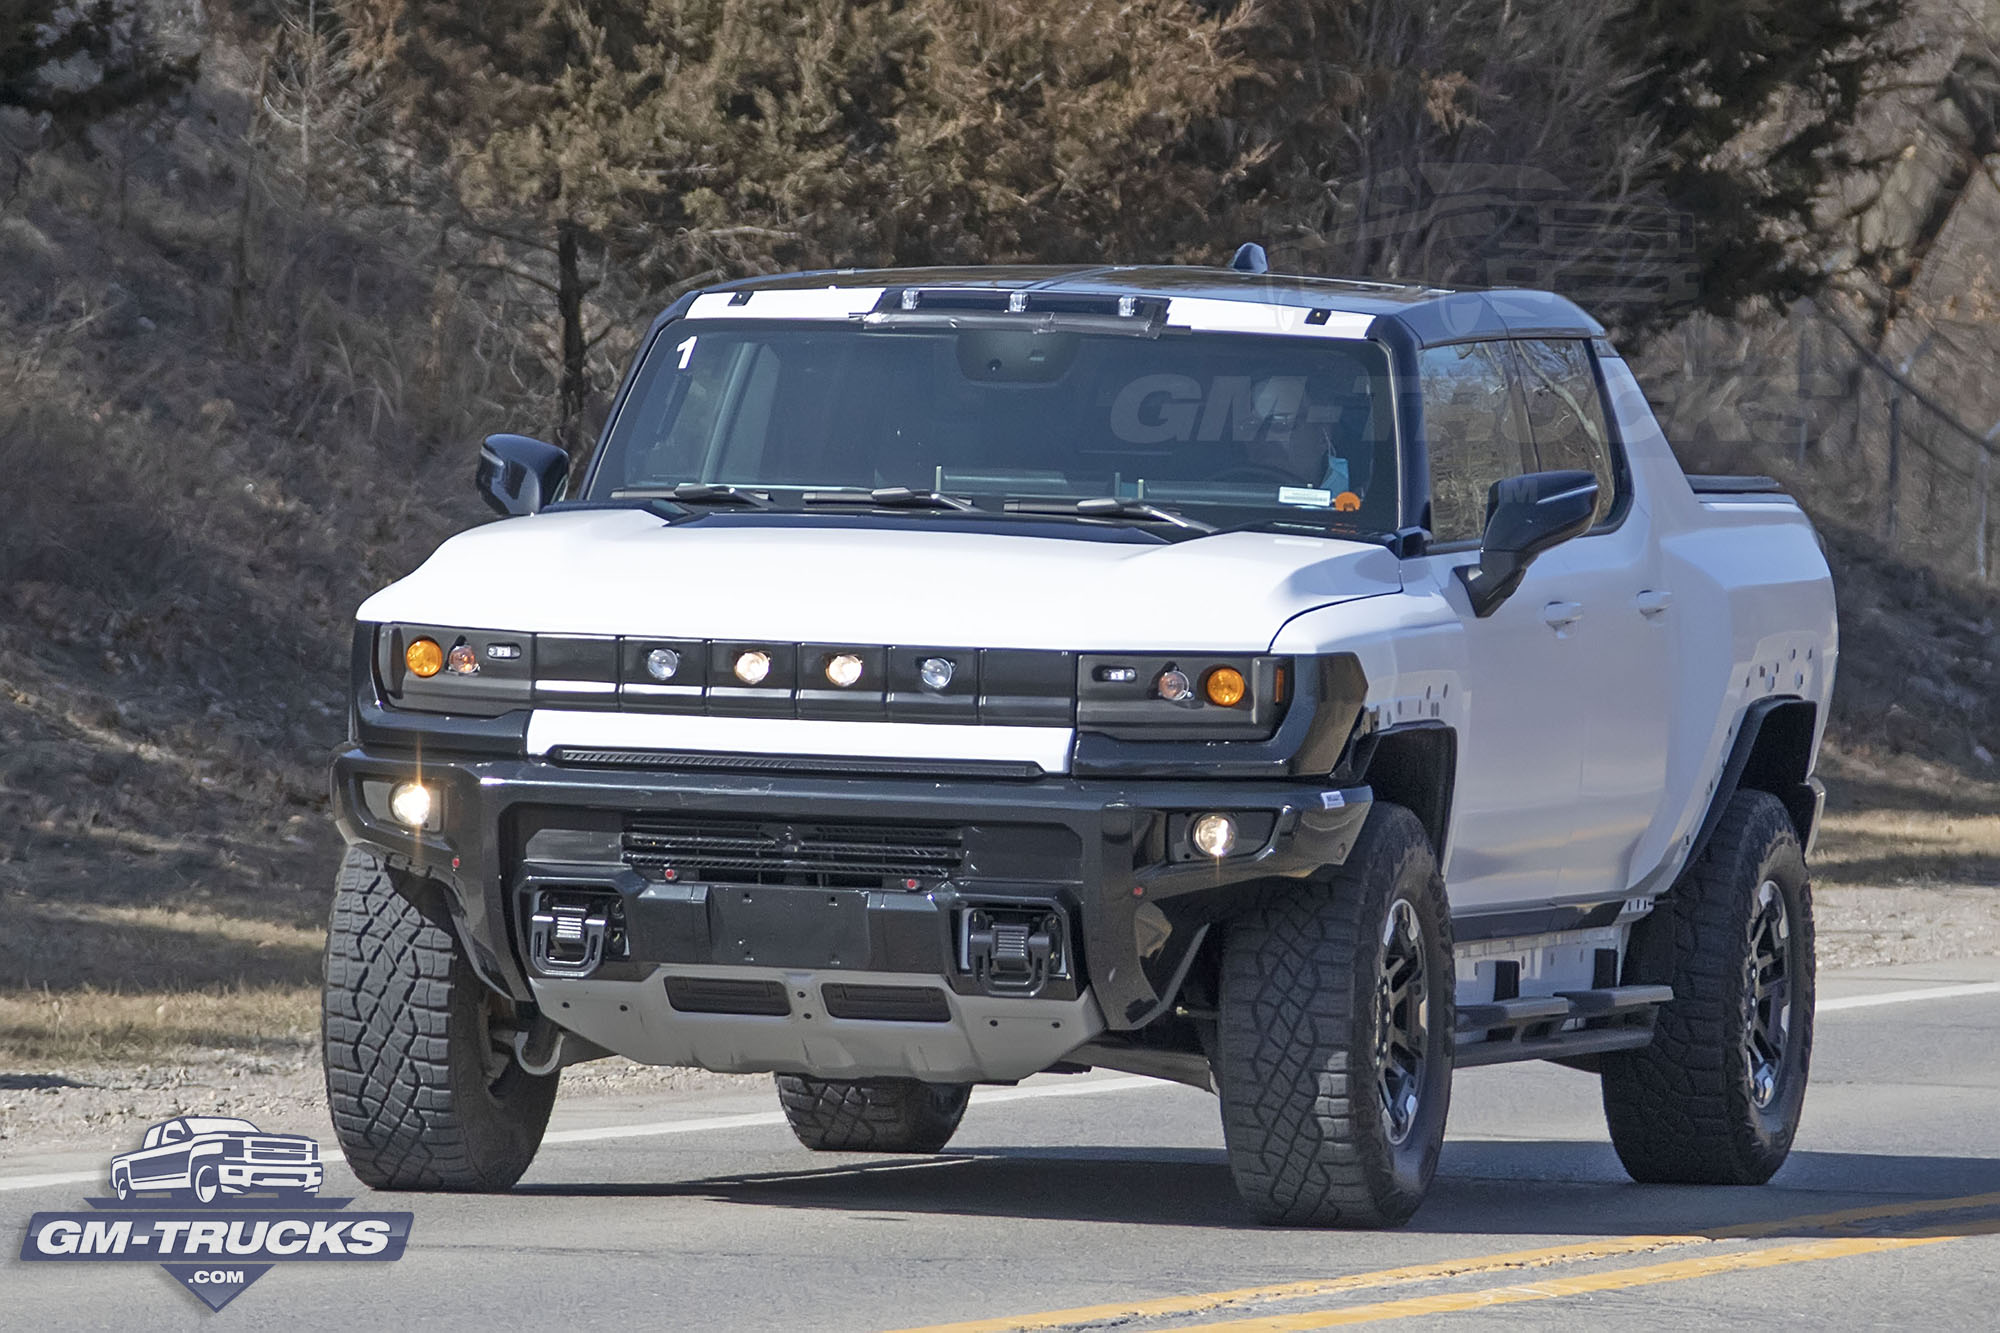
424 1094
1716 1098
1334 1042
872 1115
207 1185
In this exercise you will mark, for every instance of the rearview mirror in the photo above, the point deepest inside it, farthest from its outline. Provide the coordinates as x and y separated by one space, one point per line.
1525 516
518 475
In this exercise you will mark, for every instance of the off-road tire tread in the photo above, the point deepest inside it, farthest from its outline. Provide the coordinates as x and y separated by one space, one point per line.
872 1115
1677 1110
1289 1088
401 1117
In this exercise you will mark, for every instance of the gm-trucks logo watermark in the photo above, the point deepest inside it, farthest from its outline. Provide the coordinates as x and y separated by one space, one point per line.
217 1203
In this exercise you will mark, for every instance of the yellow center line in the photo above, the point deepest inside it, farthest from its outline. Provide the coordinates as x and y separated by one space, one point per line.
1617 1279
1168 1307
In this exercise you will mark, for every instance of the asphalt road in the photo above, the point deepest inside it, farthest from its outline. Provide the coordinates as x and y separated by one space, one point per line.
1097 1199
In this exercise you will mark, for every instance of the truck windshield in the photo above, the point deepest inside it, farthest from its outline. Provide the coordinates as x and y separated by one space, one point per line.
1230 429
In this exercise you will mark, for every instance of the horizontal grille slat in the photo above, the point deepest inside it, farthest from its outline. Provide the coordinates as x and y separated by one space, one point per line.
721 849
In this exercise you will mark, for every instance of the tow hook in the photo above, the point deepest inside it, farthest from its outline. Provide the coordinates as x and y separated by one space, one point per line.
570 932
1012 951
538 1048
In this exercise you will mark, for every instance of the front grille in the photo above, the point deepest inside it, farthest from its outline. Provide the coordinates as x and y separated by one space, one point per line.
724 850
279 1150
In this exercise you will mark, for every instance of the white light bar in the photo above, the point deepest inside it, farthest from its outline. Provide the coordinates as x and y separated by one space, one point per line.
1206 314
552 727
813 303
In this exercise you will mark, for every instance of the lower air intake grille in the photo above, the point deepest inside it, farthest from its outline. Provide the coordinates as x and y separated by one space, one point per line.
887 1004
724 850
721 995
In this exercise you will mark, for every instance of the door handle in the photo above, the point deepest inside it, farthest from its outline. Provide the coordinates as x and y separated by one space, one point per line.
1560 616
1653 602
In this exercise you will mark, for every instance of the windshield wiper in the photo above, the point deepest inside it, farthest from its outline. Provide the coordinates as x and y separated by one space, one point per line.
891 497
694 492
1112 506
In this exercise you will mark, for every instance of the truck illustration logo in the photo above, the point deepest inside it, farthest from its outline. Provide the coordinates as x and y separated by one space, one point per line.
207 1157
218 1203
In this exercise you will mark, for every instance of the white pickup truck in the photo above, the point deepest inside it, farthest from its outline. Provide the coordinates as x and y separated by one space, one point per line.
1292 687
208 1156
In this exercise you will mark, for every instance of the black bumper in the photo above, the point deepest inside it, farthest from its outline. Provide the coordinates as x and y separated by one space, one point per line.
1137 903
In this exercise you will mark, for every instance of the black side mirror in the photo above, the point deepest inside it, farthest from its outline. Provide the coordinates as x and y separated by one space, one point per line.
1525 516
518 475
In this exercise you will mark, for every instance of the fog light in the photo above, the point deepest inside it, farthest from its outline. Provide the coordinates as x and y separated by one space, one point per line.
936 672
662 663
1175 687
462 660
843 669
752 667
1214 835
1225 687
424 658
410 803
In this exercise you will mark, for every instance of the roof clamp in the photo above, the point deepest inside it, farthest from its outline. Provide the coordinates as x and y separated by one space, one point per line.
1016 302
1128 306
909 298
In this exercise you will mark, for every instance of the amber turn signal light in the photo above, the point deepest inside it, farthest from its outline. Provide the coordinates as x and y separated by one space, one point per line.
1224 687
424 658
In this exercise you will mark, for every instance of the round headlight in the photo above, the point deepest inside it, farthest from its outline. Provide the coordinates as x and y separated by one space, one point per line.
411 803
1175 687
662 663
936 672
462 660
424 658
752 667
1214 835
1224 686
843 669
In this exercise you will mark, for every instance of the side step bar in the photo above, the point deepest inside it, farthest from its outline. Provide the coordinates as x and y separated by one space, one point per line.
1533 1027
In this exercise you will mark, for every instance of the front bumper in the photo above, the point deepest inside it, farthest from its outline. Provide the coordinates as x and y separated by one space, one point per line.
1137 909
271 1175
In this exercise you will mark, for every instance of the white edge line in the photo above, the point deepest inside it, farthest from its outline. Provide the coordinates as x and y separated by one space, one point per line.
1903 996
697 1125
756 1119
11 1183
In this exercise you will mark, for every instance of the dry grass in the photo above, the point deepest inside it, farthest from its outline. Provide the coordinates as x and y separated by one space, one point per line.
82 1026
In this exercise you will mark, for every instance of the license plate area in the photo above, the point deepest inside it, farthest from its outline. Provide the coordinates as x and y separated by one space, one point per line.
766 926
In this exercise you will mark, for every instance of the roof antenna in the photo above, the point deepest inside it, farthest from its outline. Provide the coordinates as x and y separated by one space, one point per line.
1250 259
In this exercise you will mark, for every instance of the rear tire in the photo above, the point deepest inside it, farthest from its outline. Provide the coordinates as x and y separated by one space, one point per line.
872 1115
423 1095
1716 1098
1334 1042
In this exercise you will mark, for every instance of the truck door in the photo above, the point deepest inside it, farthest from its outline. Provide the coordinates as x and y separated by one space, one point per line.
1622 637
1520 746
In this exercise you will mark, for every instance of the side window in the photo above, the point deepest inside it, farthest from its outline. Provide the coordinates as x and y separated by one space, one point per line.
1472 431
1566 412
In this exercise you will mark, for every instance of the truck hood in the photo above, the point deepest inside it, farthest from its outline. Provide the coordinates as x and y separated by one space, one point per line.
911 581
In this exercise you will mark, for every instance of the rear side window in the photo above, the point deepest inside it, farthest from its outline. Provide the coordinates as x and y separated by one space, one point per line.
1566 413
1472 432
